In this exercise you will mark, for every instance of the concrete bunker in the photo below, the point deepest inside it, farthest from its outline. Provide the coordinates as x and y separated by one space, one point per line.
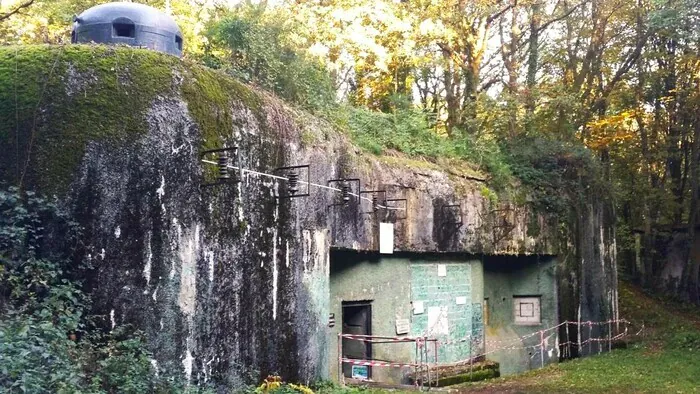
478 309
521 297
130 24
228 290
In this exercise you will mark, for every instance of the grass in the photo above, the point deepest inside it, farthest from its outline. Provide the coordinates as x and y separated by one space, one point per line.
665 359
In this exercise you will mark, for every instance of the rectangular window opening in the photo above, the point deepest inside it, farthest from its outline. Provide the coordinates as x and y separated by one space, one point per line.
178 42
127 30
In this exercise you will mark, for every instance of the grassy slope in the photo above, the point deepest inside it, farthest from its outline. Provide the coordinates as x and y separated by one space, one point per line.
665 359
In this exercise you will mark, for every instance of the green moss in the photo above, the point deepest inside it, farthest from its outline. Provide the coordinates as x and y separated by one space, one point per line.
468 377
210 96
53 100
489 195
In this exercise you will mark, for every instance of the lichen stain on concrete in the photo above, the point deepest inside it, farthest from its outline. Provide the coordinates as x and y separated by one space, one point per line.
148 264
188 248
286 254
306 249
321 252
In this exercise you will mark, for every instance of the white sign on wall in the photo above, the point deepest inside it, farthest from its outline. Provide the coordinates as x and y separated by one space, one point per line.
402 326
461 300
386 238
442 270
526 310
437 320
417 307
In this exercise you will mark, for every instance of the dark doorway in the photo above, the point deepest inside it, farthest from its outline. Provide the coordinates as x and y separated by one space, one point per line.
357 320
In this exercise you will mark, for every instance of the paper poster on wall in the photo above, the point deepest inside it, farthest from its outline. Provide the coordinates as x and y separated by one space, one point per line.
417 307
442 270
437 320
386 238
461 300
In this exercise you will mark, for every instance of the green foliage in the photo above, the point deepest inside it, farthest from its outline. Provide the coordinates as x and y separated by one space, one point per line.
46 341
327 387
686 340
255 49
557 173
37 356
408 130
404 130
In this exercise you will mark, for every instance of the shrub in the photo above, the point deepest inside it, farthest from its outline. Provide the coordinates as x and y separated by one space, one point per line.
47 343
252 46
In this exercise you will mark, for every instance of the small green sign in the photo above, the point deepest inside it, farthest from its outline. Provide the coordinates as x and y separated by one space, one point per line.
360 372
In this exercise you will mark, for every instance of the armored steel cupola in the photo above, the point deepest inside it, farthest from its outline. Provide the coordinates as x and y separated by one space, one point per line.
128 23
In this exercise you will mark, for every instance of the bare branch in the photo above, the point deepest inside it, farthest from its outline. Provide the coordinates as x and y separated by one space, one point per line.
17 9
561 17
502 11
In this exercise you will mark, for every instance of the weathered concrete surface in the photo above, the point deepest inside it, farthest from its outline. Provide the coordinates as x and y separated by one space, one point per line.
509 276
228 283
393 285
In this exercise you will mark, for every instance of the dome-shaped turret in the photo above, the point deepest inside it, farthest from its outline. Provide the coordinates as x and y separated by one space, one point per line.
128 23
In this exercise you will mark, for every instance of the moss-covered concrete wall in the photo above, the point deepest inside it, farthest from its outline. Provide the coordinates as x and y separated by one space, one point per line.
227 283
506 277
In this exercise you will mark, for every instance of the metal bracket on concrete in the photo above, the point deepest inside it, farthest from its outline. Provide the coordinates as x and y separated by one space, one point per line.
346 190
377 202
294 175
394 208
223 158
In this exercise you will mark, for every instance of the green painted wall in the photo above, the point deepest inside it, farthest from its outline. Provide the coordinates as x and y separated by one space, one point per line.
392 284
504 278
452 296
387 283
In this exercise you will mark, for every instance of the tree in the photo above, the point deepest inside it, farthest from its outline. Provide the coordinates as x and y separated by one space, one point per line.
14 9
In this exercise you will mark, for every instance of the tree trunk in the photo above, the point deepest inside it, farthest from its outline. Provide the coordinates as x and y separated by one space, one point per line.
532 64
690 280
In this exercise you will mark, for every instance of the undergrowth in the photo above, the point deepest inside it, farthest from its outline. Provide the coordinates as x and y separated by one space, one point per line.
408 130
554 174
49 343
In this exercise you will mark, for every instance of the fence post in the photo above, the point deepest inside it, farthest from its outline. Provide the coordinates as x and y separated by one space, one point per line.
471 360
415 362
541 348
590 337
568 341
426 351
341 378
437 369
609 336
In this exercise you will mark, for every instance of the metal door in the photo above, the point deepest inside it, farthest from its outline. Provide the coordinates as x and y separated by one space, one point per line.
357 320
